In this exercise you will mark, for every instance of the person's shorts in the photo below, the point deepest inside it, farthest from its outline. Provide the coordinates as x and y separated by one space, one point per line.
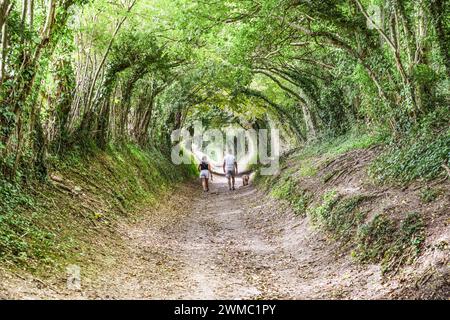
230 173
204 174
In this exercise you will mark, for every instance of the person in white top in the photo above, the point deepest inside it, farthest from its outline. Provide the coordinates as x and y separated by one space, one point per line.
230 169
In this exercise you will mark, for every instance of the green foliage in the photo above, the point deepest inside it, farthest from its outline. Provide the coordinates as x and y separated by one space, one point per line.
264 182
46 227
408 243
418 156
21 235
428 194
311 68
381 240
307 168
374 239
424 74
323 211
334 146
339 216
286 189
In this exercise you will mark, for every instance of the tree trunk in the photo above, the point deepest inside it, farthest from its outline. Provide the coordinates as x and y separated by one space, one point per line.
439 9
397 58
30 13
5 9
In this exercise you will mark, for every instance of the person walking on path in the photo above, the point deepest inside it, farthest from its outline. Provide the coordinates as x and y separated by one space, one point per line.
230 169
205 173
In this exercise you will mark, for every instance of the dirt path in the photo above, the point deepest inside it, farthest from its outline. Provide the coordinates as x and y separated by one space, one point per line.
231 245
226 244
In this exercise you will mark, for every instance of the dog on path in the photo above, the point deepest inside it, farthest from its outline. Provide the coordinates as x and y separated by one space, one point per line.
245 179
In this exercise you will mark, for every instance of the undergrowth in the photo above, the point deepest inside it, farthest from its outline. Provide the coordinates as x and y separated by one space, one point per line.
21 238
375 240
286 189
418 155
339 216
356 138
428 195
378 240
304 162
43 226
381 240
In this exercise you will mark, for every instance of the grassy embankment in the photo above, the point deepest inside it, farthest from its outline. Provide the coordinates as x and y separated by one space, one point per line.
341 185
72 216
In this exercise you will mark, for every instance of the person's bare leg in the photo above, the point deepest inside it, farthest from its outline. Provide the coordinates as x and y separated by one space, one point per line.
232 178
229 183
206 184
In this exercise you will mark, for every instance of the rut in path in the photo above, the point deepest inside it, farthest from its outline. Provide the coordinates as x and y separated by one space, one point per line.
233 245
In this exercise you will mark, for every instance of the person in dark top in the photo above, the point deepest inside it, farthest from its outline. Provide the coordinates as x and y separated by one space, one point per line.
205 172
